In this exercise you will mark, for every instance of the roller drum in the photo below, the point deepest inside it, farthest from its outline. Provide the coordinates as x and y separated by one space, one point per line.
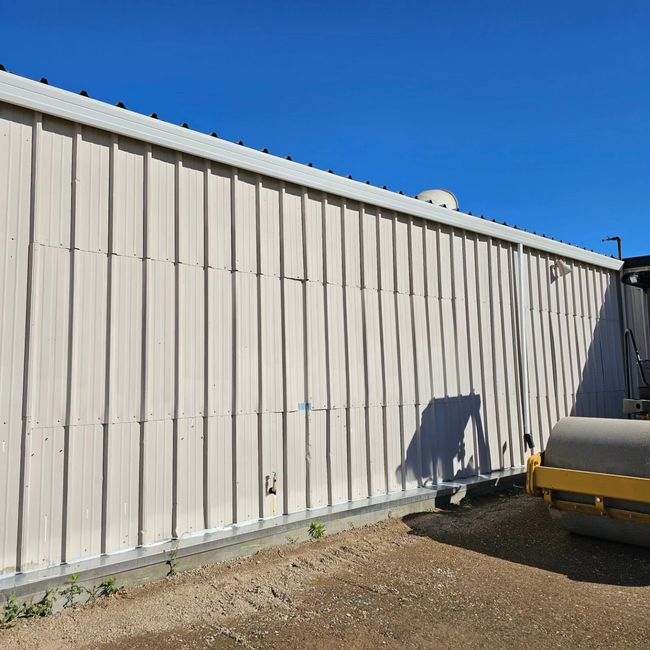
607 446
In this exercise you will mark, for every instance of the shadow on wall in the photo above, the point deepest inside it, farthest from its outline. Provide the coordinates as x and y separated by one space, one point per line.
575 368
446 425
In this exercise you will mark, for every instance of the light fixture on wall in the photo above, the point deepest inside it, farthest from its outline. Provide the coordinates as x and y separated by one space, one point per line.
559 269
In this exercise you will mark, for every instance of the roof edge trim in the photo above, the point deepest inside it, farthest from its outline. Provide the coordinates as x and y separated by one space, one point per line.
60 103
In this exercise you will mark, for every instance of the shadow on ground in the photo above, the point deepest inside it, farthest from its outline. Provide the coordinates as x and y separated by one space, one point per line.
518 528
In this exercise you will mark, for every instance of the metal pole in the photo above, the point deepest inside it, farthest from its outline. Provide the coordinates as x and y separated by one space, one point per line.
523 350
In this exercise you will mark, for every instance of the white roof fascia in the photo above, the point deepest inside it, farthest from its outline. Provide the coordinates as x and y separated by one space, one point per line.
53 101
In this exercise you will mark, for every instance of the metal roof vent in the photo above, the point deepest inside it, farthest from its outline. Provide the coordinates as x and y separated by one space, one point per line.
443 198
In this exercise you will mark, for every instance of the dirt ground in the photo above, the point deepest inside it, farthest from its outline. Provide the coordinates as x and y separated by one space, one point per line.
491 572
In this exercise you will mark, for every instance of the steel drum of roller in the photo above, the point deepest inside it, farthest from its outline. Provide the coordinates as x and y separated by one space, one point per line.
595 477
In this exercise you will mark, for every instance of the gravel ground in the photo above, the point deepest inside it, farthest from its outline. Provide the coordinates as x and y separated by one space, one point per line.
491 572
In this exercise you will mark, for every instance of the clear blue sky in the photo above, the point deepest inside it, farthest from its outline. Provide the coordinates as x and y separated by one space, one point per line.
537 113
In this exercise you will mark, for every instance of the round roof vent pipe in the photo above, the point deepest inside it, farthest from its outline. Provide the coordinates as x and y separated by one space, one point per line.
442 198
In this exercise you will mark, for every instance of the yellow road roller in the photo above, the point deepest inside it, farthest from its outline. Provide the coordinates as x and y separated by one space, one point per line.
595 473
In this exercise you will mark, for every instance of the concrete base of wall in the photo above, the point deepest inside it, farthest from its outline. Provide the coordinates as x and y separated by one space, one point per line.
146 564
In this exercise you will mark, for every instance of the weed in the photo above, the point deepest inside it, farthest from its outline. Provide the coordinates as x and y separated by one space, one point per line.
316 530
108 588
291 539
93 593
43 607
72 591
172 561
9 613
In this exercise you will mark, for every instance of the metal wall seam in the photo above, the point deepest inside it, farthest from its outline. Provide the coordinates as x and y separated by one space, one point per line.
417 470
305 406
401 472
345 235
260 350
364 340
382 358
326 340
16 164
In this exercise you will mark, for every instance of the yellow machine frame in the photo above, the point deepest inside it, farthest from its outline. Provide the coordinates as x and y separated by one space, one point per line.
544 481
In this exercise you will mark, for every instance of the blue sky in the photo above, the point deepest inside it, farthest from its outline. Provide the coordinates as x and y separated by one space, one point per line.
536 113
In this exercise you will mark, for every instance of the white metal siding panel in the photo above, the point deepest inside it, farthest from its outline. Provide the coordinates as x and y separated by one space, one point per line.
157 472
424 393
437 348
219 472
191 217
386 258
43 492
295 350
49 334
53 189
336 346
448 334
220 379
460 306
128 198
314 236
401 235
161 205
15 171
316 346
10 437
160 343
269 236
407 366
84 506
247 469
334 241
445 276
358 454
122 476
296 478
272 464
317 459
191 341
92 190
352 245
271 334
355 347
246 351
417 258
370 279
412 457
373 348
220 350
88 381
245 223
393 448
220 217
292 233
377 467
390 348
125 378
189 476
431 257
338 456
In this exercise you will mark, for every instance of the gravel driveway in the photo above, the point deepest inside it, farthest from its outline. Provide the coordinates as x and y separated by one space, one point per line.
491 572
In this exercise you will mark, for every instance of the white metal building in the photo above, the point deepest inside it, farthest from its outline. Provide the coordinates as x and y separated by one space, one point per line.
194 334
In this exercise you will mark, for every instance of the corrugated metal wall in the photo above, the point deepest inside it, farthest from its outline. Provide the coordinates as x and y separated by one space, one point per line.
179 338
